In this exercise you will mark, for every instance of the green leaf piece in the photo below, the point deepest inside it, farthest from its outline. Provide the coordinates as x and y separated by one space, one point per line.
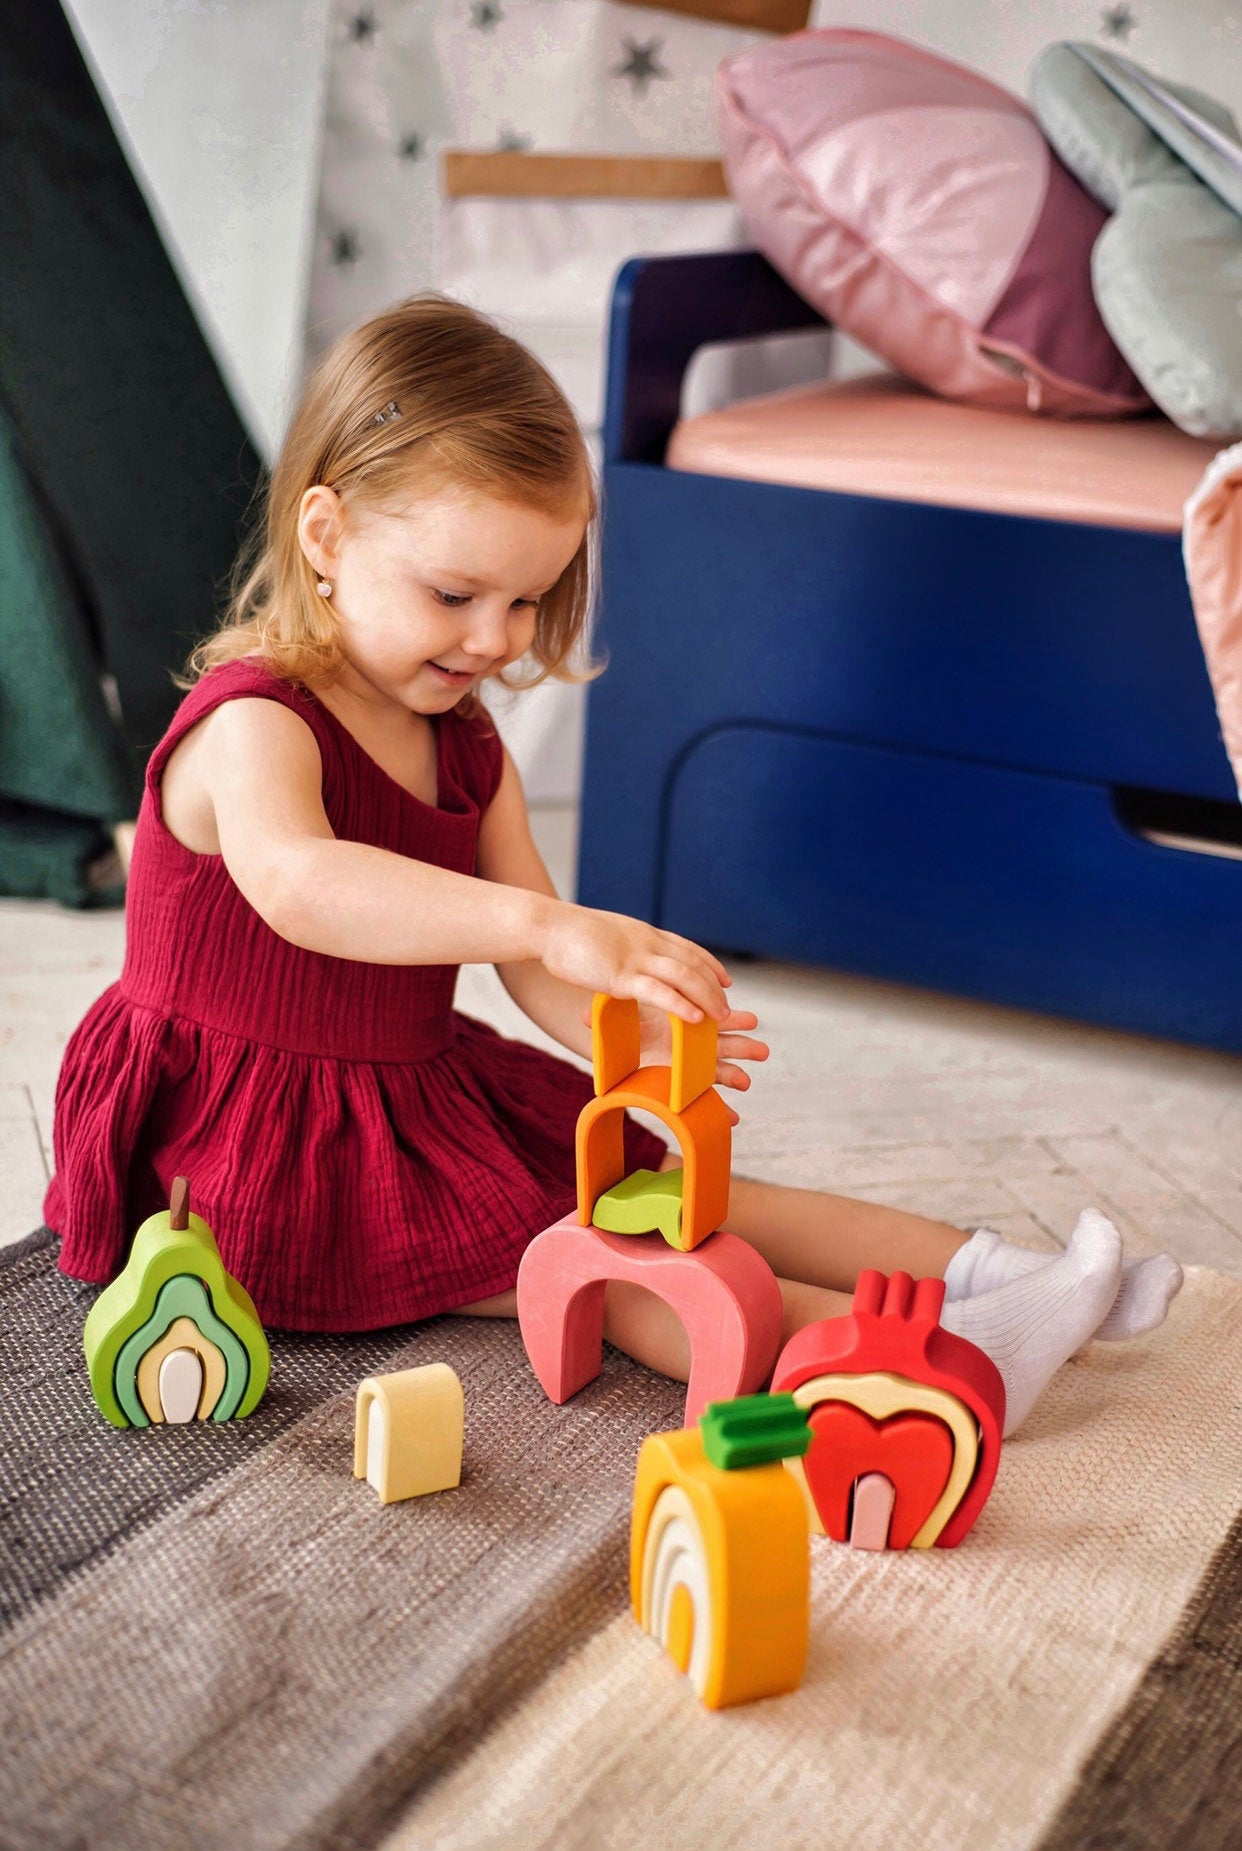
182 1297
754 1430
646 1202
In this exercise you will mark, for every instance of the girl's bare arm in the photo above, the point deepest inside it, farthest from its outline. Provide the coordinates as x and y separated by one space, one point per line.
263 776
508 855
346 899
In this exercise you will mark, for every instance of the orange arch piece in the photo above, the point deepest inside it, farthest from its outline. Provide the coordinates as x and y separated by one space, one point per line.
702 1129
725 1294
616 1049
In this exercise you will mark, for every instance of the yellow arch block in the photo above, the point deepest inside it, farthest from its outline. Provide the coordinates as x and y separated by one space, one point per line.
720 1570
182 1334
879 1395
408 1432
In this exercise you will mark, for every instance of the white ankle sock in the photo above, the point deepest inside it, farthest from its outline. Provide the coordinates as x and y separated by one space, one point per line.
1147 1289
1032 1325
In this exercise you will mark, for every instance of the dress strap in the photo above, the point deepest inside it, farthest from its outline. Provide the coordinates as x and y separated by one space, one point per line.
243 679
476 756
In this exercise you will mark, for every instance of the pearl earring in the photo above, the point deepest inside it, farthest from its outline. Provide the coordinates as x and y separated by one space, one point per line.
324 588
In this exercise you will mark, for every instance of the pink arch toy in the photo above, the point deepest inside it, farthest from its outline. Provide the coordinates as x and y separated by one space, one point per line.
724 1292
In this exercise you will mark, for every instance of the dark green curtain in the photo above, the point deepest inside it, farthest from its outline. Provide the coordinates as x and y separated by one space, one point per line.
125 470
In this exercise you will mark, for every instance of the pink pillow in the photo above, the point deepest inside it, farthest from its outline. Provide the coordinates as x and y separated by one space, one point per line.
918 207
1212 543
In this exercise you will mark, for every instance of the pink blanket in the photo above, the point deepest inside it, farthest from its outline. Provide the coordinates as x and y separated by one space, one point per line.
1213 547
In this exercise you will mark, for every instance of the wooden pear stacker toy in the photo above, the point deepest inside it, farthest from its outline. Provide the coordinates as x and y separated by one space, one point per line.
723 1290
175 1337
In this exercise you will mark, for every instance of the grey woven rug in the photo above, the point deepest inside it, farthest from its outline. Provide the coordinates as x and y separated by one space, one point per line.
216 1637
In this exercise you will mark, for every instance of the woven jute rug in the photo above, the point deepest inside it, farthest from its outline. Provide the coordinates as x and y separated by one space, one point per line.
217 1637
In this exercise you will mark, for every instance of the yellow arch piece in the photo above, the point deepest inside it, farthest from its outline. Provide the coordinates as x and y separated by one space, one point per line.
695 1648
418 1447
880 1395
182 1334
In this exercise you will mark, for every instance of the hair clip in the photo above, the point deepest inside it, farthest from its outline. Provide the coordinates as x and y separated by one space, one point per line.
390 413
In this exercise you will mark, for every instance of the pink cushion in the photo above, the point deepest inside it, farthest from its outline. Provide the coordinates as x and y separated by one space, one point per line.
1213 548
919 207
883 436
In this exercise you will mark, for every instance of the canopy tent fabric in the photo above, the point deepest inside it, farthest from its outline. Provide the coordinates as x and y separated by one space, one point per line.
125 469
62 756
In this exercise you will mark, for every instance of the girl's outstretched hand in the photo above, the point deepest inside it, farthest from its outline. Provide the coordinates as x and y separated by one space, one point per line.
626 957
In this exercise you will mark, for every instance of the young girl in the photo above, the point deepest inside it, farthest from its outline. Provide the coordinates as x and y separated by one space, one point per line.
331 826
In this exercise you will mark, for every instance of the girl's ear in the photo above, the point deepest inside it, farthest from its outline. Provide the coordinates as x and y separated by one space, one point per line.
320 525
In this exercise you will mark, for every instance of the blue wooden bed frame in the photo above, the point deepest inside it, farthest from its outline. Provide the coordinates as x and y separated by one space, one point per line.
919 742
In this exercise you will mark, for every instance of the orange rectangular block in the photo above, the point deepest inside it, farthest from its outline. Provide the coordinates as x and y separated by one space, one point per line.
694 1060
615 1044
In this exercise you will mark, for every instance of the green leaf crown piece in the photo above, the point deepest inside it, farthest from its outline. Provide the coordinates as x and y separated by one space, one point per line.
754 1430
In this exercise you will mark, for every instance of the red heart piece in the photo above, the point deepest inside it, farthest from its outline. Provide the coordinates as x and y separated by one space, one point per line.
914 1450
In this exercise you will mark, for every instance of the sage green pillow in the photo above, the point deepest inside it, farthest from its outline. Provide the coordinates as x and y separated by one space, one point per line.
1167 267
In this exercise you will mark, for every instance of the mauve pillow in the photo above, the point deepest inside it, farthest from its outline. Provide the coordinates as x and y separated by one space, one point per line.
919 207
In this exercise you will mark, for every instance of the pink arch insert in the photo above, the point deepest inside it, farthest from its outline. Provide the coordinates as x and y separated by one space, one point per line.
724 1292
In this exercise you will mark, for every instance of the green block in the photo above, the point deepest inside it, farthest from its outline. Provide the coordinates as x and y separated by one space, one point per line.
182 1297
161 1254
647 1202
754 1430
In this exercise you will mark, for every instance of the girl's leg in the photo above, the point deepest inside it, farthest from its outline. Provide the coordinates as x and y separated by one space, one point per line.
649 1330
1029 1327
816 1244
504 1305
827 1240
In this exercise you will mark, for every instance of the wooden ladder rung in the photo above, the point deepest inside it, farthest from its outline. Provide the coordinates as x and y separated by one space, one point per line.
468 173
758 15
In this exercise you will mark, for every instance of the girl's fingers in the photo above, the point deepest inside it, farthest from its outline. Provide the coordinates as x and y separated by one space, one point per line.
739 1018
738 1047
698 951
735 1020
660 996
693 983
729 1075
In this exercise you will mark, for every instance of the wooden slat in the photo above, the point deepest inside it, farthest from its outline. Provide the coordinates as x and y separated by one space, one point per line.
757 15
469 174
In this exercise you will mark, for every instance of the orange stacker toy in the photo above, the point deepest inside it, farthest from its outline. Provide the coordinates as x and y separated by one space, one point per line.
723 1290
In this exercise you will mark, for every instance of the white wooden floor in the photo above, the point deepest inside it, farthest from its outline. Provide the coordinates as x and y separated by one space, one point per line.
959 1110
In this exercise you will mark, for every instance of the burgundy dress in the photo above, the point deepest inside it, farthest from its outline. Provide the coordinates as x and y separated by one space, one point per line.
363 1153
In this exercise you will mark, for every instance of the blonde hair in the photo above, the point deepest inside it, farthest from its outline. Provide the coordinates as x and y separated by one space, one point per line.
477 410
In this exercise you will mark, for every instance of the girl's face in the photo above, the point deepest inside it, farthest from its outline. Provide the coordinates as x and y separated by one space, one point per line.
432 598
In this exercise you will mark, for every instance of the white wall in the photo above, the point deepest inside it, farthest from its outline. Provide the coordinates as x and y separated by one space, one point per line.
229 105
219 104
1196 41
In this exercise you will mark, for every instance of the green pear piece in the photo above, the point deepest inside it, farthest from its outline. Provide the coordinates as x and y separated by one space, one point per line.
169 1246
